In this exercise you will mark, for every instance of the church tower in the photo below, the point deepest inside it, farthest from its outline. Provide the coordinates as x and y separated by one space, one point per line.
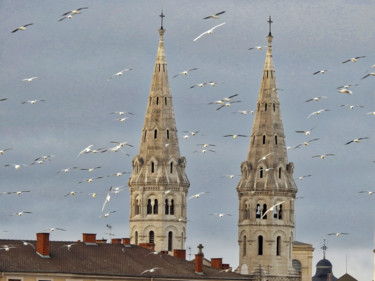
266 190
158 184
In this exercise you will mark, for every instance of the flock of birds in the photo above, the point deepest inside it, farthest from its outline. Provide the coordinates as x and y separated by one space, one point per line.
204 148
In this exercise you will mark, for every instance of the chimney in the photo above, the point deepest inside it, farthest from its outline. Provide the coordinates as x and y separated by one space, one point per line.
116 241
150 246
199 260
89 238
179 254
217 263
126 241
42 244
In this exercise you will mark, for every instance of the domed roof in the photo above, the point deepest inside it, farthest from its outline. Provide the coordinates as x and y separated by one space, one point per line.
324 271
324 263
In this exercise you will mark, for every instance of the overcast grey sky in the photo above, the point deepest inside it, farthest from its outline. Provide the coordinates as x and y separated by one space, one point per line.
74 58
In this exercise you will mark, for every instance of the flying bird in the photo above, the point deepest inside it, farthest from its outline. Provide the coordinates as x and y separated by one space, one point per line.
196 196
367 75
227 104
356 140
235 136
22 27
323 156
204 145
74 12
302 177
323 71
316 98
306 143
85 150
28 244
272 208
21 213
90 180
52 229
355 59
32 101
149 270
245 112
29 79
107 198
205 150
220 215
67 170
317 112
199 85
18 192
106 215
345 91
120 73
68 246
223 100
2 151
230 176
307 133
208 31
265 157
90 170
338 233
122 113
350 106
214 16
185 72
72 193
257 48
369 192
16 166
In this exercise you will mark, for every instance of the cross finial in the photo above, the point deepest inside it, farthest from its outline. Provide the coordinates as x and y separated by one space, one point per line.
161 16
270 23
200 247
324 248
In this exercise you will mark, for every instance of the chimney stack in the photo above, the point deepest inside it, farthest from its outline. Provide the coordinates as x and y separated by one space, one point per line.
199 260
179 254
42 244
217 263
116 240
126 241
89 238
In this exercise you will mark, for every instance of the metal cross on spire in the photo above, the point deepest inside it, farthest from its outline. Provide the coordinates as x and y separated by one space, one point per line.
324 248
270 23
161 16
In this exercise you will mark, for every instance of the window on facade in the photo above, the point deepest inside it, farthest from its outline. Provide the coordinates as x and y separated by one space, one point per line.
257 212
166 207
171 209
156 206
137 207
261 172
244 246
165 100
275 139
152 167
157 100
280 212
278 241
265 107
149 207
151 237
280 173
171 167
170 241
144 137
136 238
264 139
155 134
260 245
167 134
274 107
264 211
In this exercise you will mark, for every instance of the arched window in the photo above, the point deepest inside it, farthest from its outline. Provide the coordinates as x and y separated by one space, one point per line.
155 134
149 207
244 246
275 139
265 105
157 100
247 212
167 134
260 245
182 240
171 167
274 107
166 207
261 172
151 237
280 173
156 206
152 167
136 238
257 212
264 211
137 207
264 139
171 209
280 212
170 241
165 100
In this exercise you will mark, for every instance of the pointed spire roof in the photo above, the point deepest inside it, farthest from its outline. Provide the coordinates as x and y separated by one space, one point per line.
159 141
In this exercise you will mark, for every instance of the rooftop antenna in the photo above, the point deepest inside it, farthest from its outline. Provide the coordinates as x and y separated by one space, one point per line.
161 19
270 23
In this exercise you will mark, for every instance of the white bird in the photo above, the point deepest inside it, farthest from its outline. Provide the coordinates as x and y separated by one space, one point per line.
355 59
32 101
22 27
317 112
122 113
199 85
230 176
307 133
16 166
323 71
21 213
204 145
120 73
117 190
106 215
208 31
306 143
93 194
122 144
302 177
235 136
68 246
150 270
356 140
67 170
107 198
350 106
52 229
316 98
220 215
193 133
18 192
29 79
28 244
85 150
118 174
367 75
223 100
90 180
196 196
345 91
323 156
271 208
123 119
214 16
245 112
67 17
204 150
338 233
185 72
371 113
265 157
2 151
90 170
72 193
227 104
257 48
213 84
7 247
369 192
74 12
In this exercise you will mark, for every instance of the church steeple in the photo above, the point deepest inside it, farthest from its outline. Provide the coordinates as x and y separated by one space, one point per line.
158 184
266 190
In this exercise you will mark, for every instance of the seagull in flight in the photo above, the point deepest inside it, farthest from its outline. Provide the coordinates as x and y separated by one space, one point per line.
74 12
67 170
220 215
18 192
90 170
223 100
120 73
90 180
199 85
317 112
337 234
52 229
16 166
323 71
214 16
370 74
271 208
204 145
345 91
122 113
22 27
106 215
227 104
85 150
107 198
264 157
230 176
257 48
235 136
307 133
355 59
208 31
29 79
350 106
196 196
316 98
21 213
323 156
356 140
306 143
72 193
28 244
205 150
150 270
2 151
369 192
68 246
245 112
32 101
302 177
185 72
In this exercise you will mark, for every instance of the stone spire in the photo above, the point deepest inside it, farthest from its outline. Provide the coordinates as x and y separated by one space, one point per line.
266 190
158 184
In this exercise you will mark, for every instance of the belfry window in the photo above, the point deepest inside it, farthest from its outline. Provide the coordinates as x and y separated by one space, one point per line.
171 167
280 213
152 167
156 206
165 100
278 242
261 172
244 246
163 67
151 237
166 207
257 212
264 139
260 245
274 107
155 134
280 173
264 211
171 209
265 107
167 134
275 139
170 241
157 100
149 207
